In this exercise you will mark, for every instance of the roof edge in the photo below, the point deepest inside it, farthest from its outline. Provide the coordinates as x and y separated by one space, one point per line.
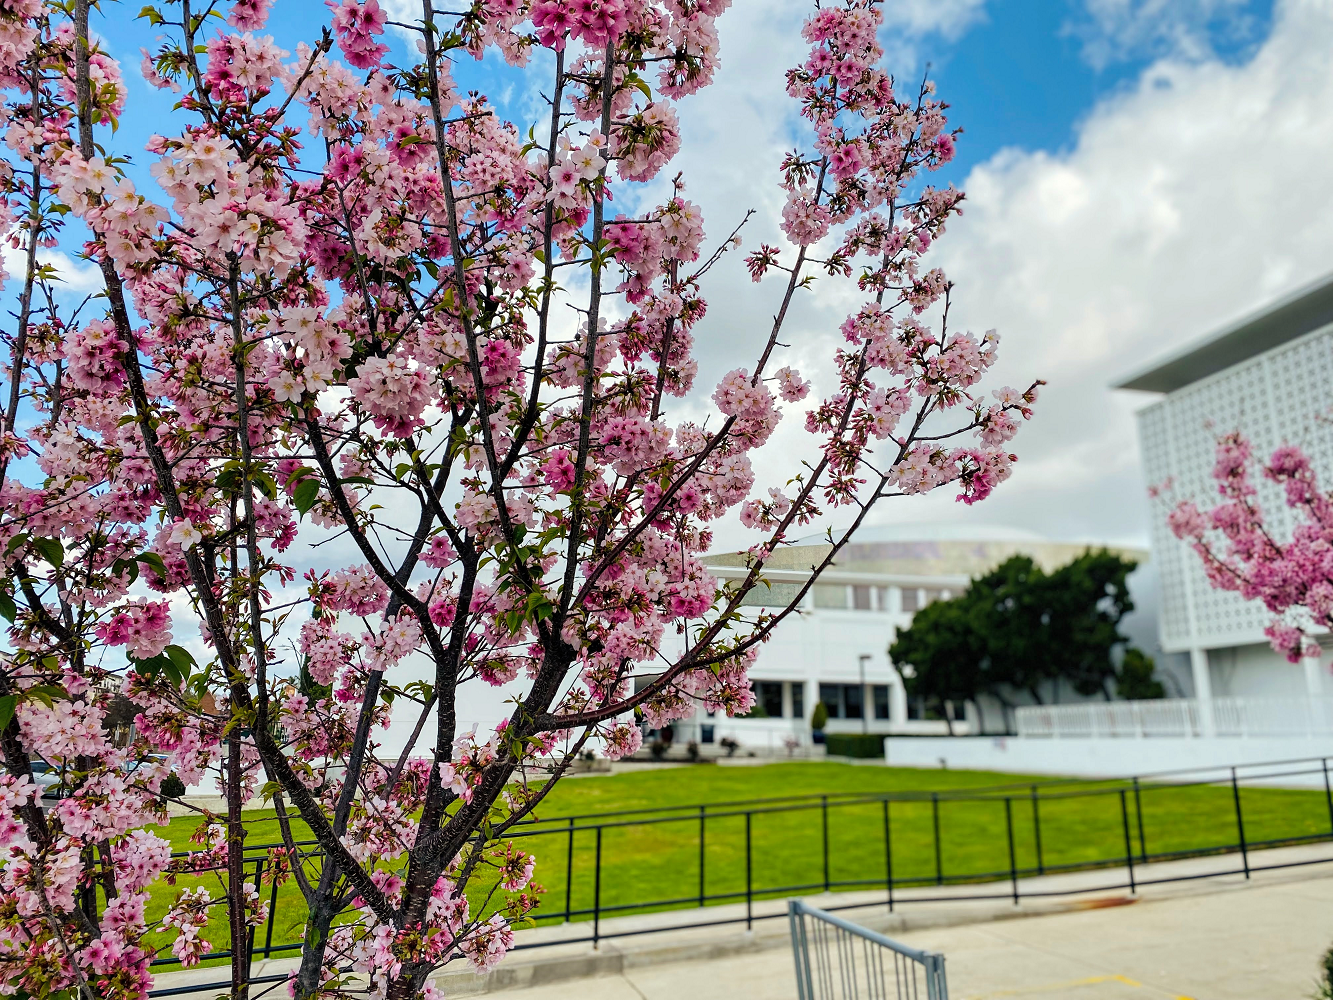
1301 311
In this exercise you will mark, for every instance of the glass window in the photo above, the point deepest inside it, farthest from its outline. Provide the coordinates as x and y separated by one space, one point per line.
830 595
852 698
861 598
768 695
911 599
770 595
831 696
705 734
797 700
881 701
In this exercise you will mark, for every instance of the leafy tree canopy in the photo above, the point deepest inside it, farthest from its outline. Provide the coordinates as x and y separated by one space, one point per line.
1017 627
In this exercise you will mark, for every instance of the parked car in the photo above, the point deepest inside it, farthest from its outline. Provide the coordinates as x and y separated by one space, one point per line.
47 778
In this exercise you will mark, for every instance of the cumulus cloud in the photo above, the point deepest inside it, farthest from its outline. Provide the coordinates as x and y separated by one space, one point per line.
1185 200
1191 199
79 277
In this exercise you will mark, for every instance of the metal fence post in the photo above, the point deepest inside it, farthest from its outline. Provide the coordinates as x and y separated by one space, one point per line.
272 915
569 873
1328 794
1129 844
1036 831
701 854
749 891
800 950
823 808
1138 812
935 817
250 933
1009 828
936 984
1240 824
597 892
888 855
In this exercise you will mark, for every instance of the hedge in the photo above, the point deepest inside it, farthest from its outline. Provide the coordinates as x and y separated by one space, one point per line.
854 744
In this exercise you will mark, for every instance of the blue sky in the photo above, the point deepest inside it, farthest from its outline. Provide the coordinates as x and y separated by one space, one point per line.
1025 72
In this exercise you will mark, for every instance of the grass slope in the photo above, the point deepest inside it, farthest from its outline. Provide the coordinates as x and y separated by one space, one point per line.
658 865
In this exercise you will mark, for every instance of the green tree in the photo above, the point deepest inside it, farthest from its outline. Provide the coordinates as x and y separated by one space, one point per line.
1018 627
1135 680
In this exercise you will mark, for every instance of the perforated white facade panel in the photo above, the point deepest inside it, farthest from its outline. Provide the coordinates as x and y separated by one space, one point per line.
1282 396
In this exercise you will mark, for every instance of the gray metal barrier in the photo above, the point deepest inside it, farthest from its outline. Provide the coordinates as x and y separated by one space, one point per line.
839 960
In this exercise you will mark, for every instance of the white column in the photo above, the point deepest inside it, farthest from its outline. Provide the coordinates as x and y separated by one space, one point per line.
897 696
1314 676
1203 690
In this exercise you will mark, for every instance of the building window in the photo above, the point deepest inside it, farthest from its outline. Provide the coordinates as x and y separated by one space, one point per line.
705 734
881 693
767 699
843 701
933 595
861 598
797 700
830 595
911 599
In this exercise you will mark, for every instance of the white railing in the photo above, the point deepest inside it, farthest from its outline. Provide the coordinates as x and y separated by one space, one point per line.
1180 717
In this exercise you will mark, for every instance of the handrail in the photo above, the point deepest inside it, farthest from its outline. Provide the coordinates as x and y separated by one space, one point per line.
799 906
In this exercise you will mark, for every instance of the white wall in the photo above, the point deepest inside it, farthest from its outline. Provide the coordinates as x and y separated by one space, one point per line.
1103 758
1254 671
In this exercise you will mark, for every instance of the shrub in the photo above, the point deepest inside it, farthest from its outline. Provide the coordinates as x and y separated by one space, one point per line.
172 786
819 717
865 745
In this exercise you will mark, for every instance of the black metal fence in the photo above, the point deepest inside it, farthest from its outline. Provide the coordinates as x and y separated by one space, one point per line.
889 841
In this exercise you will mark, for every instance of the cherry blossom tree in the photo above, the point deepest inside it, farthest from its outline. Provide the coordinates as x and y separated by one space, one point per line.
379 377
1243 550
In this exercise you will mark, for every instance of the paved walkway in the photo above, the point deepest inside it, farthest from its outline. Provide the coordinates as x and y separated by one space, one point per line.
1260 941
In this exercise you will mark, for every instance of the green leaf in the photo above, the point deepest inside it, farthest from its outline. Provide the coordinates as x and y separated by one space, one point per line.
182 663
305 495
122 566
299 474
8 609
51 550
47 694
7 705
15 542
154 562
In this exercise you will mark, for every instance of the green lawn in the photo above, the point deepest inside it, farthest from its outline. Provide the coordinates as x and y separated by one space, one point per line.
646 864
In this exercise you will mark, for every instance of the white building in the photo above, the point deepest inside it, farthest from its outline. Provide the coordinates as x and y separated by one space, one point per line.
836 649
1270 375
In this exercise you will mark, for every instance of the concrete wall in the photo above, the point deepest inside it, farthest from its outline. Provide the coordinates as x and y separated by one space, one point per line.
1104 758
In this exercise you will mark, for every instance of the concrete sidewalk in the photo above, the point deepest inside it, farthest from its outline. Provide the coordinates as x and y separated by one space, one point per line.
1210 938
1255 942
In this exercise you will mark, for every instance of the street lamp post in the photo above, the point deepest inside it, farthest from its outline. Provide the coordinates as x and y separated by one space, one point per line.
865 702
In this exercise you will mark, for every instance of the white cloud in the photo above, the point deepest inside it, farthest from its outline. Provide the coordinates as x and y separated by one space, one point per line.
79 277
1191 198
1199 195
1112 30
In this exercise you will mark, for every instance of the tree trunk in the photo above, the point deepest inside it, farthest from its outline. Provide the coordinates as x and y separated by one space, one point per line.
240 929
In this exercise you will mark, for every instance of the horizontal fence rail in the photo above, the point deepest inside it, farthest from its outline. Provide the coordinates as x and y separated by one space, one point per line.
761 849
1177 717
839 960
